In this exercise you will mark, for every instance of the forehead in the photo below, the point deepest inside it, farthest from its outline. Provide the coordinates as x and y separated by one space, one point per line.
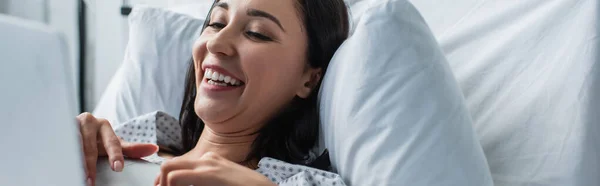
265 5
284 10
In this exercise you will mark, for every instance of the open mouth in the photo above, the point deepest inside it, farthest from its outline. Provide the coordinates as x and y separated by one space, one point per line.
218 79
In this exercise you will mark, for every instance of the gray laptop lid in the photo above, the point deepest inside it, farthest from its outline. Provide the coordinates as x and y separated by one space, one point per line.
38 131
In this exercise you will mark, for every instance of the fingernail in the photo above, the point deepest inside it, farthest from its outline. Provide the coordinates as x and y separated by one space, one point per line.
89 182
118 166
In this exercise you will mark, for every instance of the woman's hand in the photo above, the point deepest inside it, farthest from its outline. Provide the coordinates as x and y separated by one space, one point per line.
208 170
99 139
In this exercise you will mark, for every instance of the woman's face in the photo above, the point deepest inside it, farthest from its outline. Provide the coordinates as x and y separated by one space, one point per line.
250 62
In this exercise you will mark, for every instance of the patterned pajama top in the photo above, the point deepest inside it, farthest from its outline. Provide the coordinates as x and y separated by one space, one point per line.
161 129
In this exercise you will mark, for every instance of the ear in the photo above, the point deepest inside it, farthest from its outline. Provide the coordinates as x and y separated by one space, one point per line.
310 80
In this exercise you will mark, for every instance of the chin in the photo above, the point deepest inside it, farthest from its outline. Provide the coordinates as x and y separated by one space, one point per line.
211 112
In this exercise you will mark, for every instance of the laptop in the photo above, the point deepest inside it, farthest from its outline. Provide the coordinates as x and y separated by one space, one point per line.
39 136
136 172
38 131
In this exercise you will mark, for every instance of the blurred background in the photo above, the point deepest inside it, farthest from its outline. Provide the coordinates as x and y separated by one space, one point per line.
94 61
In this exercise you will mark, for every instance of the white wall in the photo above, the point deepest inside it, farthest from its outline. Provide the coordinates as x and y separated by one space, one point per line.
109 29
63 14
3 6
28 9
90 55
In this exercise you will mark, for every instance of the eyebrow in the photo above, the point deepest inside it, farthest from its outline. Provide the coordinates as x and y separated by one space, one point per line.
259 13
254 13
223 5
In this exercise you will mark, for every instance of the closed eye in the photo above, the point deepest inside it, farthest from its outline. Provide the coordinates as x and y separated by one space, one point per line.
258 36
217 25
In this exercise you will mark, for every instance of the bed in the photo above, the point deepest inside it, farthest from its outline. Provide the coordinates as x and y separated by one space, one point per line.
528 71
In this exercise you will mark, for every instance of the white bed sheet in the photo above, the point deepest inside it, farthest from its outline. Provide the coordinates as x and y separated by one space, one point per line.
530 75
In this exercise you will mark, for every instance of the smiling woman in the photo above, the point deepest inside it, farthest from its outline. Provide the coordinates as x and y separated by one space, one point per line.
278 52
250 98
251 87
275 52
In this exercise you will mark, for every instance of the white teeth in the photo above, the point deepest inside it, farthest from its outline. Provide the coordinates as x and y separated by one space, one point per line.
220 78
215 76
209 75
218 84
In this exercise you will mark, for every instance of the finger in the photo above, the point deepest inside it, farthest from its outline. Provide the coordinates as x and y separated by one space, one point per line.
112 146
85 117
89 132
183 178
173 165
138 150
157 179
91 157
82 147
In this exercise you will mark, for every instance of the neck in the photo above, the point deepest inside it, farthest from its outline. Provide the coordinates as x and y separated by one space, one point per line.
232 146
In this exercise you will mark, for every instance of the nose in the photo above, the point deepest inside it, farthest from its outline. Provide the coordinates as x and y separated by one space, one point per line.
221 44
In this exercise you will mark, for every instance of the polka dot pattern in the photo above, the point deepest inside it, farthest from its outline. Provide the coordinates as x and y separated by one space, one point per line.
162 129
137 130
285 174
168 131
156 128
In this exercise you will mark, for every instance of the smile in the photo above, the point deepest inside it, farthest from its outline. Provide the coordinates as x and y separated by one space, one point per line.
215 78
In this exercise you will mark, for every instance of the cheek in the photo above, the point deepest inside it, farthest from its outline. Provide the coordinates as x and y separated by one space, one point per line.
273 71
199 49
198 54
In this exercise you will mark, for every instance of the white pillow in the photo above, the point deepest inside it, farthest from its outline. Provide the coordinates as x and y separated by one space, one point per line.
392 112
152 74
